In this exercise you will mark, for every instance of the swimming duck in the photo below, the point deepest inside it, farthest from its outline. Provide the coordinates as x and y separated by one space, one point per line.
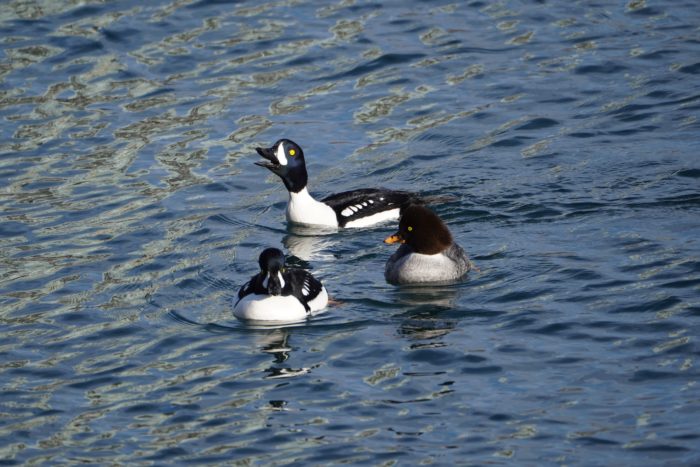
357 208
427 252
278 293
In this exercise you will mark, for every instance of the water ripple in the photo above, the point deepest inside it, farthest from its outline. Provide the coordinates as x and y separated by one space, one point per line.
132 212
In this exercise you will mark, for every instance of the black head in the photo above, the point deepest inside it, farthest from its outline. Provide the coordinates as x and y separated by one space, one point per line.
286 159
271 263
423 230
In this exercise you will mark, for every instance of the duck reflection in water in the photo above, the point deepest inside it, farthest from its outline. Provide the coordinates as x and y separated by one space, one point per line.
425 306
439 296
310 244
276 343
423 324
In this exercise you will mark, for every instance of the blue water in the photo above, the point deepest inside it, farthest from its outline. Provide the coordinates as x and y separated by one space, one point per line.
566 133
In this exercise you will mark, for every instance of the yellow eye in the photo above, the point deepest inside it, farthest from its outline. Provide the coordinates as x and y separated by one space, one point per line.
410 229
292 152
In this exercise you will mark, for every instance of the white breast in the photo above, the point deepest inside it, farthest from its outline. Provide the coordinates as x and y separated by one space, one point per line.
304 209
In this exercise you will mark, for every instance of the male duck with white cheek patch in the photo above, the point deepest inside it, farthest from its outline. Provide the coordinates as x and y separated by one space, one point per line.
356 208
279 294
427 252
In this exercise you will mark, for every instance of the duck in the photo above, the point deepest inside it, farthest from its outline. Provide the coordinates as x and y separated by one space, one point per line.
356 208
427 251
279 293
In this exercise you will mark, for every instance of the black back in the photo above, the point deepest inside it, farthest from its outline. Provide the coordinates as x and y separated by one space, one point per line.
367 202
297 282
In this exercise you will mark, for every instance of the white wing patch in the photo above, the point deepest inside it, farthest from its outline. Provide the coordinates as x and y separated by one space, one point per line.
305 288
350 210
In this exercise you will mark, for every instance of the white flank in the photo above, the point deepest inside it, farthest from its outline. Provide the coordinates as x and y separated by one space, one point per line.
281 157
320 301
271 308
278 309
374 218
304 209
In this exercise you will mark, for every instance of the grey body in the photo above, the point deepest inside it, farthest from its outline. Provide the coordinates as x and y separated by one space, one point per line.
408 267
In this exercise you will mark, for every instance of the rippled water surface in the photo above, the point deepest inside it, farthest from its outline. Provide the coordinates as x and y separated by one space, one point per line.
566 133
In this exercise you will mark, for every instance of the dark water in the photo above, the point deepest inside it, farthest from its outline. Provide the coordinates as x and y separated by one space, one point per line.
567 133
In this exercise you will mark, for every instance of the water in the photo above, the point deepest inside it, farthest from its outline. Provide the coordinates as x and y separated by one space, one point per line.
567 133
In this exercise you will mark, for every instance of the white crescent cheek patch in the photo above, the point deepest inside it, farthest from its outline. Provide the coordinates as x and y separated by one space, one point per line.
281 157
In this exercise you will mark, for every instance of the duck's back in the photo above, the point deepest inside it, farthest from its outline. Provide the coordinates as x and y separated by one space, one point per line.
368 206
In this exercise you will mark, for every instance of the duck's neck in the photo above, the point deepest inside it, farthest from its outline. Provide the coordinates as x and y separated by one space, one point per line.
295 179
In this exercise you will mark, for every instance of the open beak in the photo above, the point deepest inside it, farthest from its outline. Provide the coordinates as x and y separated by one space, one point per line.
396 238
269 154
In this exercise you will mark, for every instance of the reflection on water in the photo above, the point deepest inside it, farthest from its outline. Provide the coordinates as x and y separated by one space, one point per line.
435 296
275 344
310 244
424 327
565 135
